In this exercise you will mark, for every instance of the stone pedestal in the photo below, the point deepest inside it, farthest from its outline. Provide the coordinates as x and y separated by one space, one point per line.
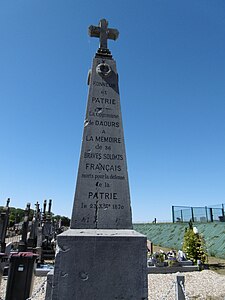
100 264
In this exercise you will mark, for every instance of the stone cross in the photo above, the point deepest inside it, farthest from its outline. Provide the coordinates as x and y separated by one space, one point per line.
103 33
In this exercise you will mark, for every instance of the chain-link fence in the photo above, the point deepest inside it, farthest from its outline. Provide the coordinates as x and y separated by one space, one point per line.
198 214
38 292
40 289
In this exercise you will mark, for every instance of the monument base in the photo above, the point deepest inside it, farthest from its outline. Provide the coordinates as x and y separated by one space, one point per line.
100 264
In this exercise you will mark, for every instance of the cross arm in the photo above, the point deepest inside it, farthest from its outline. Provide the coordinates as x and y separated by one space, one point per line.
113 34
93 31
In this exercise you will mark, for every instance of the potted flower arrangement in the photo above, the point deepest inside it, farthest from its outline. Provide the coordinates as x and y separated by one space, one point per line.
160 258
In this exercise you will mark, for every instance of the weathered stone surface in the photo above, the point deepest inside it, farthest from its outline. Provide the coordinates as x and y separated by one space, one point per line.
100 264
48 294
102 198
103 33
101 257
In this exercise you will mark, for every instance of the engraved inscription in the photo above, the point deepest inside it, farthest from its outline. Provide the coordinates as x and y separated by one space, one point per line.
100 114
102 195
102 206
102 172
104 84
107 123
103 167
99 156
103 139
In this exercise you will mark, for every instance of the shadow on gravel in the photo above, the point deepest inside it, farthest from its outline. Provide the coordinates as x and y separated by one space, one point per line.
218 268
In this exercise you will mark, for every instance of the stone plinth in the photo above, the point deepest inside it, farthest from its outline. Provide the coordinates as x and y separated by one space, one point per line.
100 264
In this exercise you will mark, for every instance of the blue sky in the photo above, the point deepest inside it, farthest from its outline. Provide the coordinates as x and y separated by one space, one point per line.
171 61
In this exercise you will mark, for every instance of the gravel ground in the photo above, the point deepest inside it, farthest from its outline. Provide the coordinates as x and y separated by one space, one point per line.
204 285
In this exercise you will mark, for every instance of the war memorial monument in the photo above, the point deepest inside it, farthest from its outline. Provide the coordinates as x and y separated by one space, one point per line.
101 257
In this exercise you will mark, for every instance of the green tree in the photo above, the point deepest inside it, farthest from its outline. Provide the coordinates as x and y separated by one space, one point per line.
16 215
65 221
194 246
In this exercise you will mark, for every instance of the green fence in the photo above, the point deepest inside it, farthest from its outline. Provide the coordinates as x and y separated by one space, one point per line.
171 235
198 214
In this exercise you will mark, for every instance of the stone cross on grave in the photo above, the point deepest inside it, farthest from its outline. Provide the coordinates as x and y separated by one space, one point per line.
103 33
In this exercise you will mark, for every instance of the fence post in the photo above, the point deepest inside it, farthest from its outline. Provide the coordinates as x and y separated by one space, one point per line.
173 214
206 214
179 291
192 214
211 214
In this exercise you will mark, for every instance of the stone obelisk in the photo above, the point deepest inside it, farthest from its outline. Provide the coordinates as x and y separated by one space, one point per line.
100 257
102 198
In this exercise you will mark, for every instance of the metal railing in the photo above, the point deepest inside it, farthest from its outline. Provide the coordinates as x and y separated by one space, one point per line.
198 214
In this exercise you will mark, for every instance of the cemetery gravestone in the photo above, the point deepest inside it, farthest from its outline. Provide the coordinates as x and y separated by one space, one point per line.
22 247
32 240
21 275
4 220
48 233
100 257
